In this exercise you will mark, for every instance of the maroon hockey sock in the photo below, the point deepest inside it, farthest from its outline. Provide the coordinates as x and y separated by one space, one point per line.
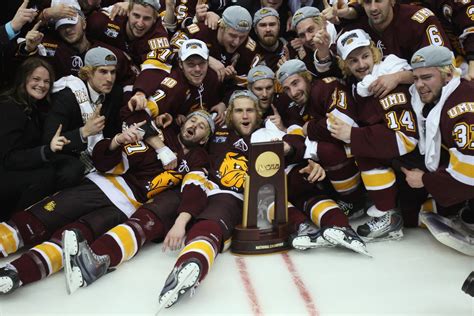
295 218
83 228
384 200
106 245
31 230
334 217
30 267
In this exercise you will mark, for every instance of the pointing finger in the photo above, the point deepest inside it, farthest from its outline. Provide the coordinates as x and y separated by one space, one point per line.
24 5
58 131
37 25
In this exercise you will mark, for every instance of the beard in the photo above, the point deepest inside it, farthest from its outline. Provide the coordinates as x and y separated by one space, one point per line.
268 40
187 143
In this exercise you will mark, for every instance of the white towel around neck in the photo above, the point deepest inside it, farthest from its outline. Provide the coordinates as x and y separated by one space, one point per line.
429 143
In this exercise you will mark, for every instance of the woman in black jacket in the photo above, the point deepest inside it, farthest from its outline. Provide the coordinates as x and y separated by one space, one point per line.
30 170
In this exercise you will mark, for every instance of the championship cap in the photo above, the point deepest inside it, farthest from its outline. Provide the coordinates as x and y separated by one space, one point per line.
304 13
205 115
154 3
193 47
237 18
348 41
73 20
289 68
260 72
100 56
263 13
243 93
432 56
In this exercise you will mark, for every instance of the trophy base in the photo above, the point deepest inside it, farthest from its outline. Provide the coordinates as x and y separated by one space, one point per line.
253 241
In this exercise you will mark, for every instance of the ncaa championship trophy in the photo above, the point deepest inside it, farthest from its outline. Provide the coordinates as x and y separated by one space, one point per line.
263 230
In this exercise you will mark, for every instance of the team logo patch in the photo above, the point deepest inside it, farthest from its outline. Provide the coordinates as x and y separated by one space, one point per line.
349 39
417 59
50 206
232 171
110 58
219 139
243 24
111 33
161 182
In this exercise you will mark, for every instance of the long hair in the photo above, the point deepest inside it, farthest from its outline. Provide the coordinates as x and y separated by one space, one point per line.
17 92
376 55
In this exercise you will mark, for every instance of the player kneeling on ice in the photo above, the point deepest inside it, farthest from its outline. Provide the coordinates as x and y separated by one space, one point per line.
442 184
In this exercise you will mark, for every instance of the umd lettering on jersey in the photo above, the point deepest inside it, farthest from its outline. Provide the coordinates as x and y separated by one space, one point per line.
158 43
393 99
421 15
461 108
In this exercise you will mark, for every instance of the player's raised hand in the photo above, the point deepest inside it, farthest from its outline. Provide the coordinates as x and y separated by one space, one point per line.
33 38
119 9
22 16
58 142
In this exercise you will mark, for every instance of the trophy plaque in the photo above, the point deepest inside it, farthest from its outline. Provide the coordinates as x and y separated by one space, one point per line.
263 230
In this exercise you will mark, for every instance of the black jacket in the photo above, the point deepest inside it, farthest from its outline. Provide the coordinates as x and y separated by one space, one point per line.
65 110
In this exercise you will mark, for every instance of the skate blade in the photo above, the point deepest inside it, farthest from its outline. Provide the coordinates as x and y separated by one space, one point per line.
305 243
172 296
395 235
70 248
336 237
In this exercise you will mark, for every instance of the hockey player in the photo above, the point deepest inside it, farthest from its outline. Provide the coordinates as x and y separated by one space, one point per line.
141 34
441 101
220 196
66 47
165 218
311 101
130 172
315 35
189 86
232 52
270 47
384 129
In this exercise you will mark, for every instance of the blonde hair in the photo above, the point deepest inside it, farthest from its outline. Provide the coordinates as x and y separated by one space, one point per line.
449 70
85 72
376 55
230 109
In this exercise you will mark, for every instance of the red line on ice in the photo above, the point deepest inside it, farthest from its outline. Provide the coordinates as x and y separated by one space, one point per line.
304 293
249 288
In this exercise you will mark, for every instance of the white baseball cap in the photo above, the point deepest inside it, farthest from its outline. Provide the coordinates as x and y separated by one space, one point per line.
73 20
193 47
350 40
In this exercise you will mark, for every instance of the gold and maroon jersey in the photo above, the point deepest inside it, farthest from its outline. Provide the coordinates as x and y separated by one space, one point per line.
387 126
453 181
172 93
328 95
135 170
412 28
150 50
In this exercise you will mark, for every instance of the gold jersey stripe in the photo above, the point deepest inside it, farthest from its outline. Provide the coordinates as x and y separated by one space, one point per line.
155 64
52 254
346 184
119 187
461 167
152 108
203 247
405 144
378 179
127 240
8 238
321 208
196 178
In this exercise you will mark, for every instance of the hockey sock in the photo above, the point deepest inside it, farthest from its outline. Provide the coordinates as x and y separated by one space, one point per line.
202 244
122 242
380 185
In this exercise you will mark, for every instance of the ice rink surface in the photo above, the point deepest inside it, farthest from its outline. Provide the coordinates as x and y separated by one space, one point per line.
413 276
